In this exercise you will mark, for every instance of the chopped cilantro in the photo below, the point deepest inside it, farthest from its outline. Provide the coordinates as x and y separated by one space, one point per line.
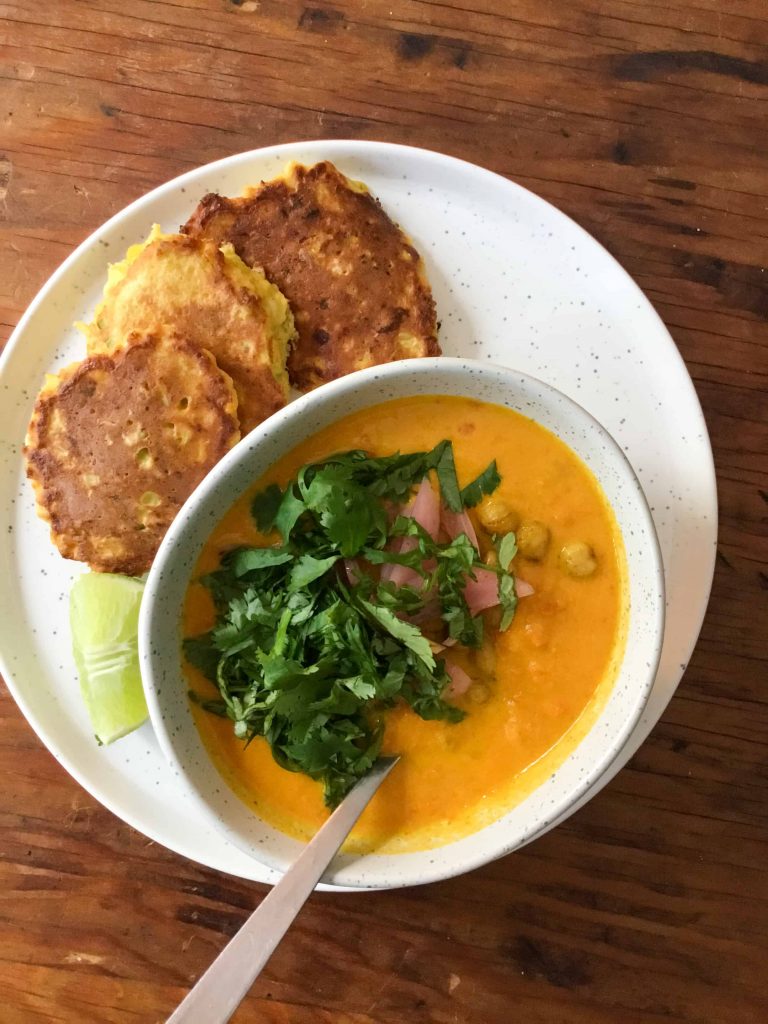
266 505
446 475
309 654
484 484
507 600
507 550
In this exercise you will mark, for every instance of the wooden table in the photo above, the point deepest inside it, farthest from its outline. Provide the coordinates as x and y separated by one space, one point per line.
646 122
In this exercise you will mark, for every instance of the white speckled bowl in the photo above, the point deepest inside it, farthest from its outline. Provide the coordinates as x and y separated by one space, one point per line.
160 626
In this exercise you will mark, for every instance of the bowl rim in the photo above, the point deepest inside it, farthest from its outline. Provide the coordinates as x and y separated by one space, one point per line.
240 453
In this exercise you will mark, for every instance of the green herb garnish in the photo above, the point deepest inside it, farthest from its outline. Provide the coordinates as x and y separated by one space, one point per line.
309 653
484 484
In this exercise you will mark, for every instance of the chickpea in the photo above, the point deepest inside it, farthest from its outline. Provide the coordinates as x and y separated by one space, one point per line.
578 559
533 540
496 516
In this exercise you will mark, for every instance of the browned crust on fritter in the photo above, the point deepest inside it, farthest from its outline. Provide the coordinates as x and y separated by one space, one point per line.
355 283
117 445
208 323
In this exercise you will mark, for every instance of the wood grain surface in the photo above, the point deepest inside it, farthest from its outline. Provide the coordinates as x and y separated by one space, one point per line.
646 122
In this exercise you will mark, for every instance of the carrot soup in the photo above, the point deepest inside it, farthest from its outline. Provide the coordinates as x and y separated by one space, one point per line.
519 694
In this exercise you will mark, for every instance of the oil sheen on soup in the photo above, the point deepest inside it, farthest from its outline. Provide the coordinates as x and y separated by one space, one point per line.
544 680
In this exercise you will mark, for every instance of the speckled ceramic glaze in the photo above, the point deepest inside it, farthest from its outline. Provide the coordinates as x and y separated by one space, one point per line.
516 283
160 623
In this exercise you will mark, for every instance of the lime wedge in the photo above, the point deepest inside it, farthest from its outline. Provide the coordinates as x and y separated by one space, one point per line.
104 618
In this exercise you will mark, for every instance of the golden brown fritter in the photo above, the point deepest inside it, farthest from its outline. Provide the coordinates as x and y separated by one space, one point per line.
118 442
210 297
355 283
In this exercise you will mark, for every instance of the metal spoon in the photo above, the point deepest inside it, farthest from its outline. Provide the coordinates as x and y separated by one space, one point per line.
219 992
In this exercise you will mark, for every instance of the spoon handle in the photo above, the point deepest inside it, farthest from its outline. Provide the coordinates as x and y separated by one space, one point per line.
219 992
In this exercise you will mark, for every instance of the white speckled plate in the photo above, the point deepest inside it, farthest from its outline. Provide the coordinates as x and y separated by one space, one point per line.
515 281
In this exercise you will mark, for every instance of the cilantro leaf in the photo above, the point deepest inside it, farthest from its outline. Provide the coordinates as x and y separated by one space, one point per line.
201 652
245 560
508 601
390 477
507 550
265 506
410 635
306 569
288 513
395 476
445 467
485 483
344 509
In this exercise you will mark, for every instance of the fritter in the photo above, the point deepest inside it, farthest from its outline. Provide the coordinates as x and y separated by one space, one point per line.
356 285
209 296
119 441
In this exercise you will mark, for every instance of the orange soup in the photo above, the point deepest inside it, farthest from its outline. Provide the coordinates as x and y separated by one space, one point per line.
547 676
